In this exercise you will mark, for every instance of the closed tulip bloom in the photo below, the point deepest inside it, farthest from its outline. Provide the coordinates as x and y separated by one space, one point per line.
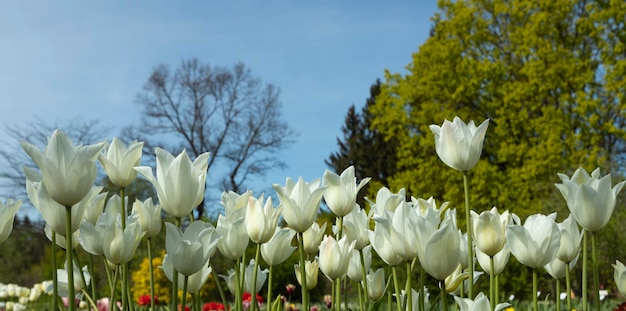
499 260
570 240
386 242
354 267
278 248
53 213
442 251
479 303
91 236
459 145
537 242
590 199
312 270
335 256
619 275
190 250
194 281
120 245
95 205
356 227
62 279
235 204
376 284
260 220
340 196
300 202
385 201
118 161
556 268
454 280
60 240
248 277
148 215
234 241
489 231
230 280
7 215
428 208
68 171
312 237
179 182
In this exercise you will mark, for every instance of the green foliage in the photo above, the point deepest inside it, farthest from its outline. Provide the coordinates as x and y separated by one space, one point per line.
548 74
25 254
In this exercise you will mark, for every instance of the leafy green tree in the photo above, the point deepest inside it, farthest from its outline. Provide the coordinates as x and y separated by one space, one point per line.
548 74
371 153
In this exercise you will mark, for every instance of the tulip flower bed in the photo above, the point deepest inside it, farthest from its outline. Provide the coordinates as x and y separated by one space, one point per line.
417 241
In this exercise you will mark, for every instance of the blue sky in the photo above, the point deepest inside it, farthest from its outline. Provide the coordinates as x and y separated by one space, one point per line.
63 59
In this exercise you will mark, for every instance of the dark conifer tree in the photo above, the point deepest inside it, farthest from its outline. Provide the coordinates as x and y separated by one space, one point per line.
364 148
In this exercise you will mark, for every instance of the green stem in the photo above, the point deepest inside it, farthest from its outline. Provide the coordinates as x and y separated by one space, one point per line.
470 247
340 228
305 290
184 298
535 305
345 292
422 301
584 281
497 297
55 282
269 289
364 280
94 306
109 276
338 296
596 275
389 300
558 295
568 286
124 287
175 278
238 287
444 295
112 302
220 290
492 285
77 261
71 297
93 277
253 305
408 288
150 268
397 288
361 300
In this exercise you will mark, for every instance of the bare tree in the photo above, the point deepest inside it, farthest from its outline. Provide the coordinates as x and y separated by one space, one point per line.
36 132
223 110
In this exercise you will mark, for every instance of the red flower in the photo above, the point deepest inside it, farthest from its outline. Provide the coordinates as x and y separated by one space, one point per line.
621 307
144 300
187 308
213 306
247 298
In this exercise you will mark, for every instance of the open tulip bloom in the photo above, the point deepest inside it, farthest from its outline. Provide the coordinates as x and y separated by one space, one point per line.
179 182
7 215
590 199
459 145
399 231
619 275
340 196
